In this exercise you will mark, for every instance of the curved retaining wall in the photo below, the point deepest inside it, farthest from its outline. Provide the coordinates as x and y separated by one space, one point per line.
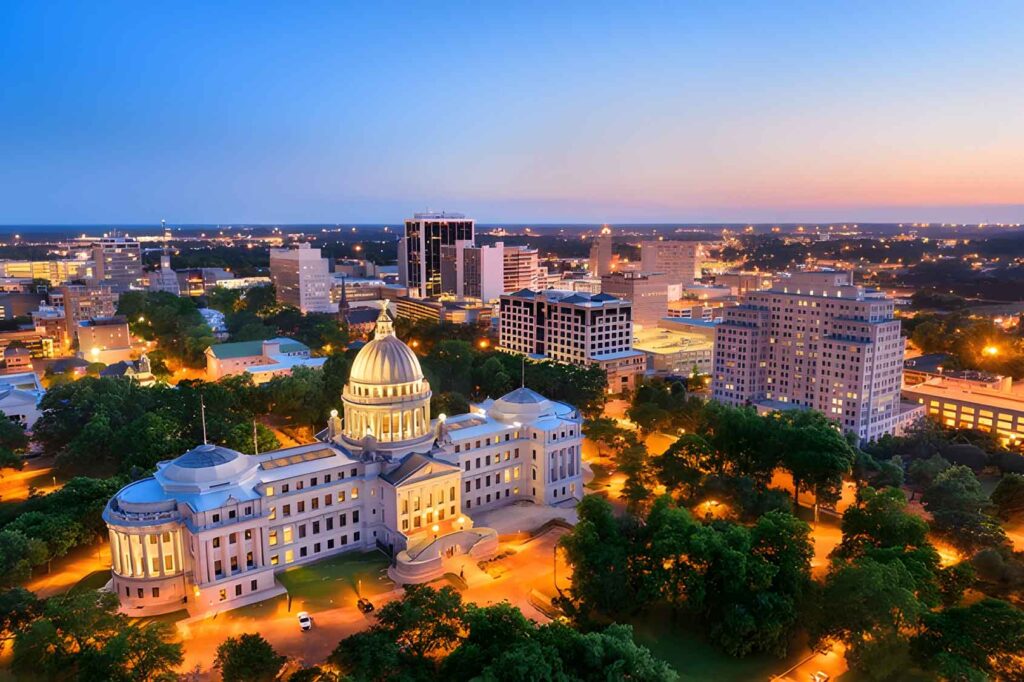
427 564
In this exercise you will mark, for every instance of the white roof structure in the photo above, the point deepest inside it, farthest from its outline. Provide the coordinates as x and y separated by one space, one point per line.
385 360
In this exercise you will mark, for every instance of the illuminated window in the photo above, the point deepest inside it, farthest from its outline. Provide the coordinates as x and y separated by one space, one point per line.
270 491
289 556
272 538
287 534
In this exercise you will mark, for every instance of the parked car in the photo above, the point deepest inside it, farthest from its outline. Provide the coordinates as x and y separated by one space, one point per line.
364 605
305 621
820 677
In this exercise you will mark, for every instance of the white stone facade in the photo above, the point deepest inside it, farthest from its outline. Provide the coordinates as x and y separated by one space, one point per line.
209 530
816 341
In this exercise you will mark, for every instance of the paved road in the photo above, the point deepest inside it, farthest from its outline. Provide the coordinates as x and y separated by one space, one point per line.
529 568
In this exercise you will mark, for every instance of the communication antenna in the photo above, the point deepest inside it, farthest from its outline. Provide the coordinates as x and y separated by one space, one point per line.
202 415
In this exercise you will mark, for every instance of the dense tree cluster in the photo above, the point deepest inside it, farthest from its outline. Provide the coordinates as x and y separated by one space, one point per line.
430 634
173 322
116 425
13 442
247 658
731 453
966 339
745 585
889 601
459 371
81 636
46 527
254 314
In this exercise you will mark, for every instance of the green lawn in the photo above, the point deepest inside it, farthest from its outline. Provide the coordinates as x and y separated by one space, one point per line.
92 581
696 660
332 582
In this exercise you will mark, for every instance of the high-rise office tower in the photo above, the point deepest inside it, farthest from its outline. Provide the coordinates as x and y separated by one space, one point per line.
522 270
118 261
601 253
302 278
419 251
814 340
680 261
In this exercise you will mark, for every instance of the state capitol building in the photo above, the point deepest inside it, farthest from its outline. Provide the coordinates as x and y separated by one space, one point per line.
211 528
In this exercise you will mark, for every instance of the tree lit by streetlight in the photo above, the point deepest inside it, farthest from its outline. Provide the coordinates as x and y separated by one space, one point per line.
990 351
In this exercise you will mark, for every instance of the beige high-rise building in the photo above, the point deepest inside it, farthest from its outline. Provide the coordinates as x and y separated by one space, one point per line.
815 340
601 253
647 291
679 261
302 278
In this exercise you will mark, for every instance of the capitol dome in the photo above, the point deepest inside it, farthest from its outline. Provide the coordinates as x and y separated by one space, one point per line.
386 400
386 360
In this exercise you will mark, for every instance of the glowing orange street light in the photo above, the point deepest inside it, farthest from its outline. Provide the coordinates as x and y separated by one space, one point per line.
990 351
484 343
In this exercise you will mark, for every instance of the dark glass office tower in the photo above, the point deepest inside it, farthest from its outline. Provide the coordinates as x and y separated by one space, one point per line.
419 257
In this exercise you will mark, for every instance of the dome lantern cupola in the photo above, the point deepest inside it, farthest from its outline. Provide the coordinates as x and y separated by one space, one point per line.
386 396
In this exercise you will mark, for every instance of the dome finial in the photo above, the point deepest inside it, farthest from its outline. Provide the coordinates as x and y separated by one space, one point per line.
384 325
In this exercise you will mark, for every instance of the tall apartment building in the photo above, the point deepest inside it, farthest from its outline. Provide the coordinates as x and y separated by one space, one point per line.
601 253
573 327
83 302
302 278
419 251
680 261
118 261
814 340
647 291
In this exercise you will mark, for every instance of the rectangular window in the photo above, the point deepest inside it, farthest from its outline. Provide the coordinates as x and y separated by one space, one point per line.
355 536
287 510
287 534
302 551
238 590
252 585
315 503
273 513
302 530
328 500
355 516
289 556
272 538
330 523
302 506
216 543
355 493
223 595
156 593
274 560
316 527
270 491
343 520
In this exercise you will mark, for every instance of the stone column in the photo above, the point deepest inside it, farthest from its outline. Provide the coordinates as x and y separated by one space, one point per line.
145 555
160 548
115 560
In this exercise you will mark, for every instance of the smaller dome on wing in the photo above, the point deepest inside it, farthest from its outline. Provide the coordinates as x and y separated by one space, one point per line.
523 404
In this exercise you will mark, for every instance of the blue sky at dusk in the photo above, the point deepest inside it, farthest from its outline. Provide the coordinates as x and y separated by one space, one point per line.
512 112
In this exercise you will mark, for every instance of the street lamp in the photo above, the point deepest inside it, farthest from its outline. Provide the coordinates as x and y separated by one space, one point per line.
990 351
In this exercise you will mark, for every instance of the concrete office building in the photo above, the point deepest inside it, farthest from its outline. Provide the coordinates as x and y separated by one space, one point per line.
814 340
521 268
573 327
647 291
211 528
419 250
302 278
679 261
118 262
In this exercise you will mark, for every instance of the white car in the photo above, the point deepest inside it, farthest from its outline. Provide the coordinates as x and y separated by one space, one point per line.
305 621
819 676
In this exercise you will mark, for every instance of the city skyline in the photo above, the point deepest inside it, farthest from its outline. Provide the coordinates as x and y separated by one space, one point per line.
525 113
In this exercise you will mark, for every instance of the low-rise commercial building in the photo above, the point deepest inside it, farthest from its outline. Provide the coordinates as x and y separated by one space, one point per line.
671 352
962 403
264 360
104 339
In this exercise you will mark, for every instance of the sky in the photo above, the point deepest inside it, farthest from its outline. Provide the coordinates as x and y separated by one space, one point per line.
542 112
